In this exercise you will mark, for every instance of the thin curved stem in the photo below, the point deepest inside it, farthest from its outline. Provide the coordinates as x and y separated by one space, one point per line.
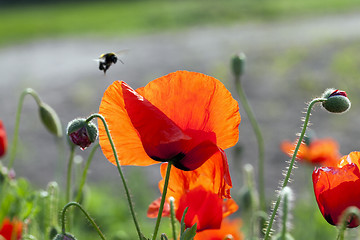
291 165
96 115
84 175
85 213
260 141
348 213
163 197
17 122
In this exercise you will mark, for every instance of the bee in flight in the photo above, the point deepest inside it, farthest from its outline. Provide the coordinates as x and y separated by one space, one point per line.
107 59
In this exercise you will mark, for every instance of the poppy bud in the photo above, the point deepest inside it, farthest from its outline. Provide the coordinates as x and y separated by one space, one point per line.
237 64
50 119
64 236
81 132
337 101
53 232
3 140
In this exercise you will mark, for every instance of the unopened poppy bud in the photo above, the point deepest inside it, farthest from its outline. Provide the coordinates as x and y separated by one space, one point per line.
64 236
50 119
337 101
53 232
237 64
81 132
3 140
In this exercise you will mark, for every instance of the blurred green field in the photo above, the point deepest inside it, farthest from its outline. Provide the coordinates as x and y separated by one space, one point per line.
108 18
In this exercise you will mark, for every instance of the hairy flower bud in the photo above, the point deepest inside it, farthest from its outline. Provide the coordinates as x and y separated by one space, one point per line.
337 101
3 140
50 119
237 64
81 132
64 236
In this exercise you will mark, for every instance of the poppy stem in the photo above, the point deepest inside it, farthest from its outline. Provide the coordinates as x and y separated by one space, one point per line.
69 170
17 122
127 192
85 213
349 213
84 175
259 138
291 165
163 197
172 212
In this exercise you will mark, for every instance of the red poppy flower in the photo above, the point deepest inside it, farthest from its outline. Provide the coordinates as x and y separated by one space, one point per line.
337 188
11 230
323 152
184 117
229 230
3 139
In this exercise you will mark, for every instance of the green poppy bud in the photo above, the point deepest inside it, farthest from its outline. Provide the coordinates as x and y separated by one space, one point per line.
81 132
64 236
50 119
237 64
337 101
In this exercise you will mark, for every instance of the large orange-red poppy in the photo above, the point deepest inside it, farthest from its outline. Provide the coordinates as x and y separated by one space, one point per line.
337 188
183 117
3 140
318 152
11 230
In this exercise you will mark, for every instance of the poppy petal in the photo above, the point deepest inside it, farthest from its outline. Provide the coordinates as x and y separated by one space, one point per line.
154 207
334 191
126 138
204 208
196 156
213 176
230 229
213 109
161 137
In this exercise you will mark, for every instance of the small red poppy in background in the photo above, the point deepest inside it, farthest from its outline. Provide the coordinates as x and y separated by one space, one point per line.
337 188
3 139
229 230
183 117
323 152
11 230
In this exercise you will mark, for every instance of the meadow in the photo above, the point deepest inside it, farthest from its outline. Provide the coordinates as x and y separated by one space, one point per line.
105 201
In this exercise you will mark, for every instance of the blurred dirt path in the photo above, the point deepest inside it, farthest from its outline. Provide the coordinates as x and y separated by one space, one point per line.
63 73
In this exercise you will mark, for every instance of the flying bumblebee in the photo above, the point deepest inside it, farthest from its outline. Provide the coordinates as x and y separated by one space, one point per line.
107 59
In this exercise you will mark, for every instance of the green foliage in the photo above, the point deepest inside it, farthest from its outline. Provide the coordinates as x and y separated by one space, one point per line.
114 18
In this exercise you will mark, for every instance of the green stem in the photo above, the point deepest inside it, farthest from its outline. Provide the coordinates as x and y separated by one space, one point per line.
163 197
260 141
84 175
17 122
85 213
172 212
69 170
119 170
291 165
347 214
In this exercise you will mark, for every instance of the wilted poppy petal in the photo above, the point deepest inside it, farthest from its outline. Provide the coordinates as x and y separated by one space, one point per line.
196 101
335 190
161 137
230 229
204 208
154 207
126 139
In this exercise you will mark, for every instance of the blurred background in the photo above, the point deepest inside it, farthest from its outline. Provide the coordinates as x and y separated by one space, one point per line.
295 50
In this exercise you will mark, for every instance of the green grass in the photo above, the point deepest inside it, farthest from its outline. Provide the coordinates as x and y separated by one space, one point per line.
20 24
